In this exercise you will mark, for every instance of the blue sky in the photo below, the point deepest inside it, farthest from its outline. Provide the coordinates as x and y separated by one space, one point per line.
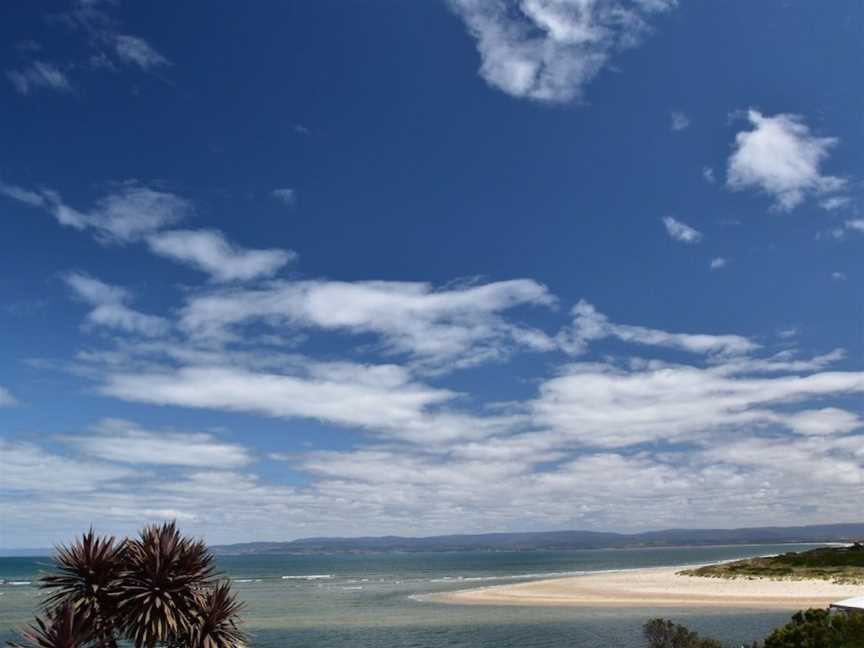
292 269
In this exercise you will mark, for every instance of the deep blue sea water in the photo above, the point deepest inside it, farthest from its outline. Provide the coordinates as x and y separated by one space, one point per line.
375 601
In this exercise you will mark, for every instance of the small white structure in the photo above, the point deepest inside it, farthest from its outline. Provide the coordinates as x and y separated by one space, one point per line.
855 604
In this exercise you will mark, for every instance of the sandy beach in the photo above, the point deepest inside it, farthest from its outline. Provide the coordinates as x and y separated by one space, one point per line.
658 587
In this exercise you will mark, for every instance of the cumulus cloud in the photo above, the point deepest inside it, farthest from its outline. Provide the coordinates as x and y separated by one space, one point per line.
110 309
125 442
781 157
460 326
590 325
209 251
549 50
681 232
39 75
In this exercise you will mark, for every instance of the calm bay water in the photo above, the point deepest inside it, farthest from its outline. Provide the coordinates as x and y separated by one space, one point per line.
375 601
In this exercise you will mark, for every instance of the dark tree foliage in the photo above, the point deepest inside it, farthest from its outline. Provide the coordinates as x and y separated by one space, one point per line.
662 633
159 589
819 629
62 627
88 573
163 578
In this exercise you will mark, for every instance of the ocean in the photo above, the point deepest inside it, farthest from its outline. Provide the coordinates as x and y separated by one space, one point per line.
376 601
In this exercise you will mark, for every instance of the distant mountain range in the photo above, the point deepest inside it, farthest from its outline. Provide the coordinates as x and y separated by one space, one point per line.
551 540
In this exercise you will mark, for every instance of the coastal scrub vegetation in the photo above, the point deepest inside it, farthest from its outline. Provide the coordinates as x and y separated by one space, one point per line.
807 629
160 589
837 564
662 633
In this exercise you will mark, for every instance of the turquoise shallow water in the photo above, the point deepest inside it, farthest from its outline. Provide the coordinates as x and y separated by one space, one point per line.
375 601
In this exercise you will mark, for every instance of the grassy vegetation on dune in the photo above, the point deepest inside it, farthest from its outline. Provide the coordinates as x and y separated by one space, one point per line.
837 564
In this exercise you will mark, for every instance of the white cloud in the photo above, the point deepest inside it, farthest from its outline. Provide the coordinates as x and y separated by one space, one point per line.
125 442
134 213
838 276
603 405
127 214
549 50
460 326
380 398
286 196
718 263
39 75
209 251
590 325
855 224
679 121
135 50
6 398
835 202
681 232
110 309
829 420
781 157
26 467
708 175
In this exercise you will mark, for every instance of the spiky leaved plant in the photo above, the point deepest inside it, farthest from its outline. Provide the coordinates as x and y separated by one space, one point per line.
62 627
156 590
164 577
216 626
88 573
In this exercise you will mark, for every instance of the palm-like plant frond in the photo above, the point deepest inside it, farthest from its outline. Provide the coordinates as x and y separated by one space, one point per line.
216 625
62 628
86 578
161 586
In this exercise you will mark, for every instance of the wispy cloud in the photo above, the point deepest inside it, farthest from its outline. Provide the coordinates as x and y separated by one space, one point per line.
718 263
135 50
781 157
209 251
6 398
110 309
107 47
286 196
589 325
26 466
549 50
127 214
681 232
679 121
39 75
125 442
458 326
136 213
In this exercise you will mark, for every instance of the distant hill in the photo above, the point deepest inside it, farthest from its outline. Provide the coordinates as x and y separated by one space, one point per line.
551 540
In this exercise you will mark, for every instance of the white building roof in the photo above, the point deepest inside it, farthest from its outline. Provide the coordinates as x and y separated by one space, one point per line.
855 603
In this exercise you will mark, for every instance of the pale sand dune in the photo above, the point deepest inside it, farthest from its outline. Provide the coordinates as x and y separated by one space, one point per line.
661 587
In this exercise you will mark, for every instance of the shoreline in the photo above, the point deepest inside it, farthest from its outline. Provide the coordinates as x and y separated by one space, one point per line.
655 587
